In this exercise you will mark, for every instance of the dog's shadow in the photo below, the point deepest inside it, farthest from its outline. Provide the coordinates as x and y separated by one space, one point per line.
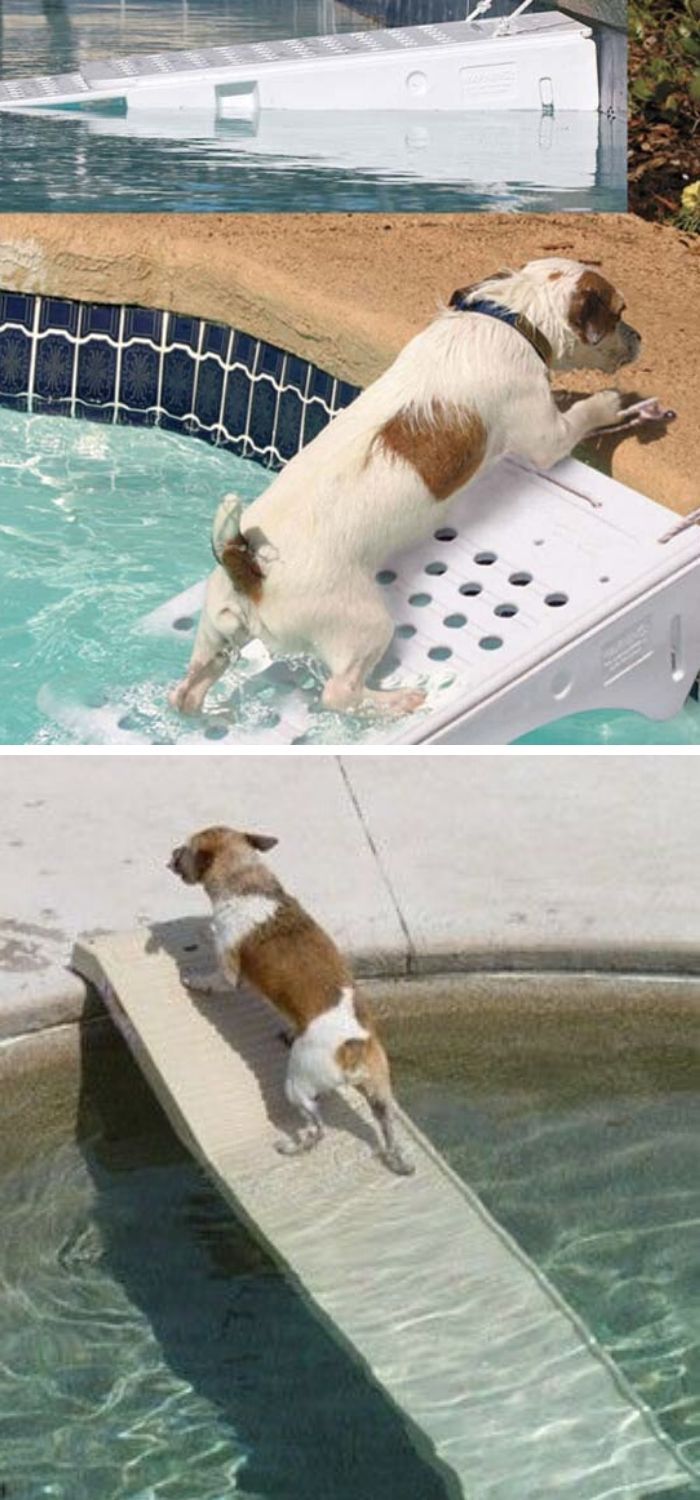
188 941
600 451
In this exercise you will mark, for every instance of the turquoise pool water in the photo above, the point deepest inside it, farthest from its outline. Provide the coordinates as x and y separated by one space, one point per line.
581 1132
149 1346
99 526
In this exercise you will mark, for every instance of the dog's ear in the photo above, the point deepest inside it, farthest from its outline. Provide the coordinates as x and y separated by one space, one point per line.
260 841
595 308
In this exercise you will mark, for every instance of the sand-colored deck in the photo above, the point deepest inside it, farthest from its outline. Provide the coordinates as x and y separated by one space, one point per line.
347 290
479 1354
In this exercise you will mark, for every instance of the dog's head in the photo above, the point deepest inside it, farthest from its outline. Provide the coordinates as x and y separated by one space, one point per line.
577 308
216 852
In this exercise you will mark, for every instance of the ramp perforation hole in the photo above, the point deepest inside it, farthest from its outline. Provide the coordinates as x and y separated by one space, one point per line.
604 579
215 732
490 642
454 622
436 568
555 601
445 534
385 576
404 632
485 559
470 590
439 653
506 611
183 622
419 601
520 580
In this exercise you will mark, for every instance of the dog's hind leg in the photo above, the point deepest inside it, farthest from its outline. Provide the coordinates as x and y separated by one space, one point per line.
353 656
221 635
300 1094
366 1066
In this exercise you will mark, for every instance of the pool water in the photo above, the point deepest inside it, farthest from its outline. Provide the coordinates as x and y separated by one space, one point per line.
56 36
149 1345
100 526
294 161
580 1131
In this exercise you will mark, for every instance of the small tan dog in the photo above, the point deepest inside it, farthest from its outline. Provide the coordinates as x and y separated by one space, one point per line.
264 936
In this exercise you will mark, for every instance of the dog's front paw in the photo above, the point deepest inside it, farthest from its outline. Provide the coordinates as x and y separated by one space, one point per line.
203 984
606 408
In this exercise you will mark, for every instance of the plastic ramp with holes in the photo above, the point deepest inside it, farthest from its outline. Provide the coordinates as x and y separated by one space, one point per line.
539 62
540 595
502 1387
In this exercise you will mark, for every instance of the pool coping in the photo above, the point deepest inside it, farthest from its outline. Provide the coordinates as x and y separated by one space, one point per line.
444 979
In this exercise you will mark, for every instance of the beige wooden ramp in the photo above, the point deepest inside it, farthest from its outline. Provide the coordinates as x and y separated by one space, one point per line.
501 1385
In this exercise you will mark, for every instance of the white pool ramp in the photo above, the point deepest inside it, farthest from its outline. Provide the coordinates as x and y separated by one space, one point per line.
502 1387
538 595
544 62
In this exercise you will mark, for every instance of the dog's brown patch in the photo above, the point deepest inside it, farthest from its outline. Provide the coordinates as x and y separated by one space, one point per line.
446 446
245 572
595 307
294 963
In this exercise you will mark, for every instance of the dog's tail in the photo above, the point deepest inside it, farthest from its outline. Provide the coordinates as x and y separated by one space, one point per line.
234 551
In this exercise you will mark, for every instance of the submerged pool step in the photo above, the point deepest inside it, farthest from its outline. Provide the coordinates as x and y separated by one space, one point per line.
538 595
547 61
501 1384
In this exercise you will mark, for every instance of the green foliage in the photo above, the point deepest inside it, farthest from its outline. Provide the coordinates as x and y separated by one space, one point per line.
666 80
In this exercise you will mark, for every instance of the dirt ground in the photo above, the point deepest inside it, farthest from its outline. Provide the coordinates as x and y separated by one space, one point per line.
347 290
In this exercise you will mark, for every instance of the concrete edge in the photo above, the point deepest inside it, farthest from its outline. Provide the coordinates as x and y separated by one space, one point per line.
447 981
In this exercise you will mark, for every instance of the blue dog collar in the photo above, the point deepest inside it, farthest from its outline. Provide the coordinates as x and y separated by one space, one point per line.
518 321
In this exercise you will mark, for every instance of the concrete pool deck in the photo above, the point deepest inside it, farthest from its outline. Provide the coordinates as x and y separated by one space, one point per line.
347 290
424 866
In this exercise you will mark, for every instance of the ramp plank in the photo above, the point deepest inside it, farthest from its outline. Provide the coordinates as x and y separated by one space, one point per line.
505 1387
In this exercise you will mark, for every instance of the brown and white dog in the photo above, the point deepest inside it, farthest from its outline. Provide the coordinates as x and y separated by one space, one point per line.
263 935
297 568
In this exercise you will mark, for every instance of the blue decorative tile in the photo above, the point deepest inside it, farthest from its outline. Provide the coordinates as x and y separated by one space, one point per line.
321 385
216 339
315 419
178 382
290 414
98 317
92 413
15 357
262 416
210 384
97 372
130 416
183 330
57 313
270 362
17 307
53 376
345 394
138 387
143 323
296 373
236 402
244 350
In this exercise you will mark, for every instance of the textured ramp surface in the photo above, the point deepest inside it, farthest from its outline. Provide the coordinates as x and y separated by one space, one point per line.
507 1391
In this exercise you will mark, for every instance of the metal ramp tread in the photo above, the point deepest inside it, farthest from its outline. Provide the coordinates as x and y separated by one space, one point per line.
462 1332
545 60
539 595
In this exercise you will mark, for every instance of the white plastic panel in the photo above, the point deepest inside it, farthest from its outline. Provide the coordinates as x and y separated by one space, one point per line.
537 595
450 67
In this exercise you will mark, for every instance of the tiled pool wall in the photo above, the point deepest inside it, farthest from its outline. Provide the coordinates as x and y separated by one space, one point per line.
150 368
